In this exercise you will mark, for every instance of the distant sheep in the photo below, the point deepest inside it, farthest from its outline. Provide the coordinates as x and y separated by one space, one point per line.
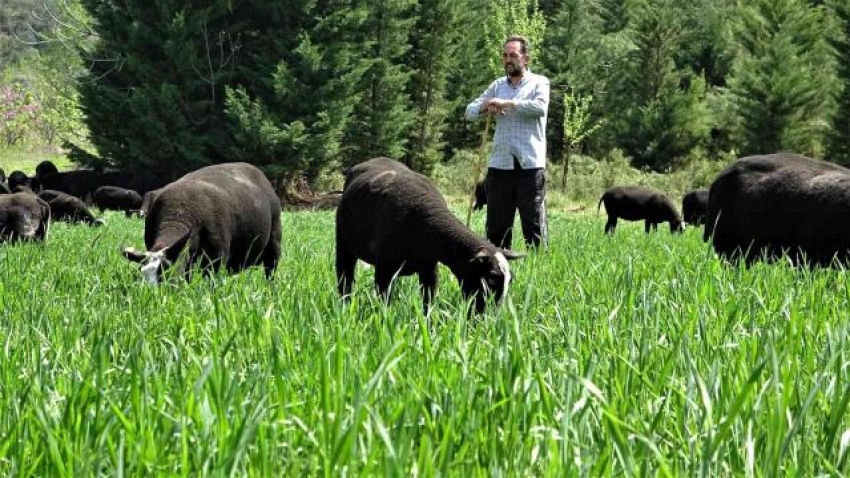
694 204
397 220
18 178
23 216
635 203
223 215
64 207
117 199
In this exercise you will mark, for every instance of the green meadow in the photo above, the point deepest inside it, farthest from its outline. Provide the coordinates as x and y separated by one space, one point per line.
630 355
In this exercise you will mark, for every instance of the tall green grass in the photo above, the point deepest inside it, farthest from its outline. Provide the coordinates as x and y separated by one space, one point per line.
630 355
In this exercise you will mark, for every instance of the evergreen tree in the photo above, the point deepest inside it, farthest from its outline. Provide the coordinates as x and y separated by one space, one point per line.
573 56
838 145
432 52
782 86
153 97
614 15
705 46
382 118
665 118
293 117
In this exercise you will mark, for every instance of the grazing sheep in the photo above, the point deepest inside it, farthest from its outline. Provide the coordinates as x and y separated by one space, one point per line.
82 183
777 204
18 178
64 207
23 216
634 203
224 215
694 204
44 168
396 220
117 199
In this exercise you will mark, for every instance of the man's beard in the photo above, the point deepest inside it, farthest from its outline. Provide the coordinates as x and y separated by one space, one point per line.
513 70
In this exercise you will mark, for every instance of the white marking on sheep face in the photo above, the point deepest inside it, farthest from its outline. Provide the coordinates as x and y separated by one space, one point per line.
506 271
151 267
29 225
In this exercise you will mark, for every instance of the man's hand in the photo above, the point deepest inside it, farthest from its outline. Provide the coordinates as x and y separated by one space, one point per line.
497 106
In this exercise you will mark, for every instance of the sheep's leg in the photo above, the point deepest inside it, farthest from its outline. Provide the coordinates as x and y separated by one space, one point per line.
428 284
611 225
383 278
647 226
271 254
345 262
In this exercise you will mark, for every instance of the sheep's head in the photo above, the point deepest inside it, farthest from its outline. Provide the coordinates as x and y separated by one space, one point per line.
155 262
487 275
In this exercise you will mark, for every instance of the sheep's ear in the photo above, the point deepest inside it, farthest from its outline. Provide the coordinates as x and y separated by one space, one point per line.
512 255
173 251
133 255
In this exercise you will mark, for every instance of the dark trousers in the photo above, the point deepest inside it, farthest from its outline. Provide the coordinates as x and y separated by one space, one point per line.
509 190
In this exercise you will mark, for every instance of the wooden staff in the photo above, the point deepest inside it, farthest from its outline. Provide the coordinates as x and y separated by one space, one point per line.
478 167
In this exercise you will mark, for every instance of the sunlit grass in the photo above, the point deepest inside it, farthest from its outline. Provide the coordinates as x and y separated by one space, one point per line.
26 159
635 354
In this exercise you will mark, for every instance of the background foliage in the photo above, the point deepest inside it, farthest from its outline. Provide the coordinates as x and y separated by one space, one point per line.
302 88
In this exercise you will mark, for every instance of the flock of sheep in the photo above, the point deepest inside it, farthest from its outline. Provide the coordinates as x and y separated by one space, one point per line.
395 219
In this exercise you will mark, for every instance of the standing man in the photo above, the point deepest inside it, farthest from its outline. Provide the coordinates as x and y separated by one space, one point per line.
515 179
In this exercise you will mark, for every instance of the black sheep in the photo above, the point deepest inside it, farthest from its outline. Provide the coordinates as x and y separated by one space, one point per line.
694 204
226 214
117 199
397 220
64 207
23 216
82 183
635 203
770 205
44 168
18 178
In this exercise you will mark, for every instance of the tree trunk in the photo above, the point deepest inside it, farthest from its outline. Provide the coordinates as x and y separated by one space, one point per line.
567 150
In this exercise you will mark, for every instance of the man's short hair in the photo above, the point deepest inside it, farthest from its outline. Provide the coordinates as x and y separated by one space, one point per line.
523 42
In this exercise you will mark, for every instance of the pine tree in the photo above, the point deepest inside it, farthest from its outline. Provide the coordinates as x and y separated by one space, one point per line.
153 98
572 57
382 118
782 86
666 118
293 117
432 52
838 144
614 14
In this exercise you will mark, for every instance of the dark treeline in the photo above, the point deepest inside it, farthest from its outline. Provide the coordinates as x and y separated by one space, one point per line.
300 86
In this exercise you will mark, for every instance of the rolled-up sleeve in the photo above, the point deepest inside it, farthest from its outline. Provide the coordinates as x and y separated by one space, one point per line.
536 106
473 110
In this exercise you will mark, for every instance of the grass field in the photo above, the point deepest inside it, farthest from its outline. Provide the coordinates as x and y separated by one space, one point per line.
25 159
627 355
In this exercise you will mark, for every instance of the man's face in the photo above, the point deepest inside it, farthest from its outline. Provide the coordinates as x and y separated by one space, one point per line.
513 59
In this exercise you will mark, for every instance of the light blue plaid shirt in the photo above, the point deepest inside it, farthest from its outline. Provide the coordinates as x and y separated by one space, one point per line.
521 131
